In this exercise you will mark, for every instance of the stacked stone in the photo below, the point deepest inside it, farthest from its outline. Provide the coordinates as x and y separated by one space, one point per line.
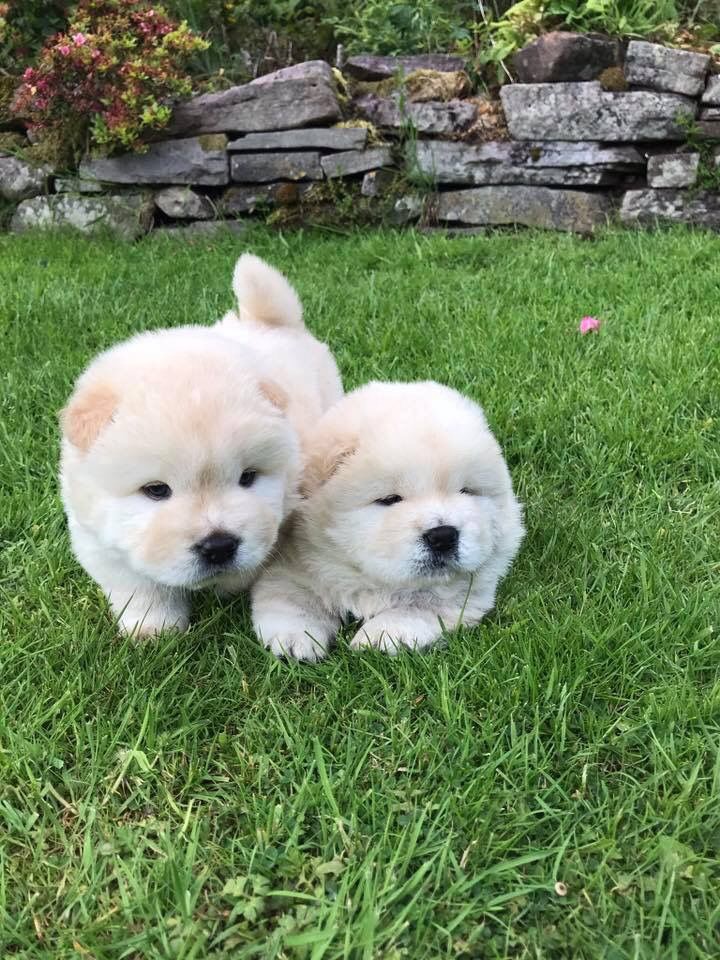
589 129
225 155
578 150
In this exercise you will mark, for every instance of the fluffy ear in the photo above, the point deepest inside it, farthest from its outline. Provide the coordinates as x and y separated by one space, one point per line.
275 394
324 463
90 410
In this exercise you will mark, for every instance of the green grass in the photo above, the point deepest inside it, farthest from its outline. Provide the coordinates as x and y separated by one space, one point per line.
195 798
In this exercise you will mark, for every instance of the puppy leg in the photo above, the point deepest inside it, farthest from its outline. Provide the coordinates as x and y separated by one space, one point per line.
290 622
146 611
395 629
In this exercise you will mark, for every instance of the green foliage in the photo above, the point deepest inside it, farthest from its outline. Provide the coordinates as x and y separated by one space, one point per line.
25 25
708 173
408 26
499 39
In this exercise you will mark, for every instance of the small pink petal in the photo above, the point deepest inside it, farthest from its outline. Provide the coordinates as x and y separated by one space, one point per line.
79 39
588 325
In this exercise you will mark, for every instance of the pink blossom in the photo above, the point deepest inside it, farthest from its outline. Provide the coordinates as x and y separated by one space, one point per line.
64 50
79 39
589 325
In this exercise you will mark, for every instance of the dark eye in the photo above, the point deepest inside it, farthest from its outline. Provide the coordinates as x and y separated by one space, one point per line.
469 491
156 491
389 501
248 478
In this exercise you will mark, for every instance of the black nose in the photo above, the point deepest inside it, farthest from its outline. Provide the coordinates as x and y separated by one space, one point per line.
442 539
217 548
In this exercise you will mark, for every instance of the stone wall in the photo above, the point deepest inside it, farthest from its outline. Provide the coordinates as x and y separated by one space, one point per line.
591 131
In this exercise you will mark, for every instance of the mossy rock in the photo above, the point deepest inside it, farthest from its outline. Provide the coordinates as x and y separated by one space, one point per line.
613 80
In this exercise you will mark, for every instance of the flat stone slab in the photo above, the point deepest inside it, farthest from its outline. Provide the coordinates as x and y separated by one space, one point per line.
666 68
20 180
76 185
309 70
181 203
255 107
247 199
561 56
367 66
673 170
440 118
544 163
355 161
708 129
198 160
574 211
308 138
264 167
711 94
647 208
710 113
584 111
128 216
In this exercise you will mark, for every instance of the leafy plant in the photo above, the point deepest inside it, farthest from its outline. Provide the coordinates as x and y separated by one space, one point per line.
25 25
111 73
526 19
405 26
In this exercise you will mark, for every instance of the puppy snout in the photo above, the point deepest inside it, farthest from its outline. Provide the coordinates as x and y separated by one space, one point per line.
443 539
217 548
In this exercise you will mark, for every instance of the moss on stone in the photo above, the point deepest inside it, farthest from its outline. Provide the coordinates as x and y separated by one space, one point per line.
613 80
212 141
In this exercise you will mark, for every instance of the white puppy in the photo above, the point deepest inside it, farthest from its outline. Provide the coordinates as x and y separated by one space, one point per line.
181 450
408 523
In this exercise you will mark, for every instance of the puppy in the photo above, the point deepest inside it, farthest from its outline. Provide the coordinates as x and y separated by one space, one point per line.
182 449
408 523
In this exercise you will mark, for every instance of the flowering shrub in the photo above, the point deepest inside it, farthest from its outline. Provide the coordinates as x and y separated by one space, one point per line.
112 72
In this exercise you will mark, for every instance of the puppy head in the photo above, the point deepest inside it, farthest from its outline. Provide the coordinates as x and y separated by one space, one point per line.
179 458
408 485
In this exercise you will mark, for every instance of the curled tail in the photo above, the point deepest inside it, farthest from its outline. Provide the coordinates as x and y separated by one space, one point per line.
264 295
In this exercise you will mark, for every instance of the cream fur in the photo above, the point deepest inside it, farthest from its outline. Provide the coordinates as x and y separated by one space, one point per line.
192 407
347 554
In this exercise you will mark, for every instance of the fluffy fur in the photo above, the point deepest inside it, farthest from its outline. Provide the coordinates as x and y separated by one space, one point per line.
411 568
195 408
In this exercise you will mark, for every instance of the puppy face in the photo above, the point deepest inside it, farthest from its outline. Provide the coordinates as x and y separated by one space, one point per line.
176 457
416 489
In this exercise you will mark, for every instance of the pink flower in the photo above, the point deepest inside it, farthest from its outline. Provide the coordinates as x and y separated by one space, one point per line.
589 325
64 50
79 39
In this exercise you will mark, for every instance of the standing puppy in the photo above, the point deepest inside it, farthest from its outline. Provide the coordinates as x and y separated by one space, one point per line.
408 523
181 450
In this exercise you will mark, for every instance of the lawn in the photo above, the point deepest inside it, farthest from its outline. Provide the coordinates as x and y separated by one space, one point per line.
546 786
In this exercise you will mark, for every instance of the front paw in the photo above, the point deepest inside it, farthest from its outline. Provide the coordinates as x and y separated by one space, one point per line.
150 625
299 646
382 633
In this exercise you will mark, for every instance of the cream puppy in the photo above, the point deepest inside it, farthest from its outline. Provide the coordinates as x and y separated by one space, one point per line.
182 450
408 523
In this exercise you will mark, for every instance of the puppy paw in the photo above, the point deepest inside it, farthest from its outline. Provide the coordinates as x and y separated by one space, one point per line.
299 646
380 633
149 626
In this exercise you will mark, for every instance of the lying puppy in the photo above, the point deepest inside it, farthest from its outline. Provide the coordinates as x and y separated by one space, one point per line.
409 522
181 450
